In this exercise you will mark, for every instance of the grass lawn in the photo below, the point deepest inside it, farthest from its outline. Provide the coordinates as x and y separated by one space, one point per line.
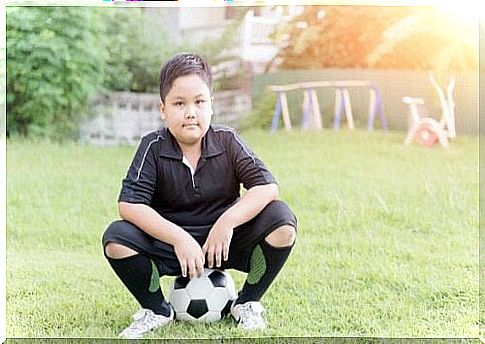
387 242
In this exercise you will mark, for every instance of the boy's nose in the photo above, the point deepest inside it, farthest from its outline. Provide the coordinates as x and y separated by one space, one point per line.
190 112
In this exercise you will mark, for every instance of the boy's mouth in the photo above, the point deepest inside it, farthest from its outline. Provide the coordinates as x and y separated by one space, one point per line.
190 125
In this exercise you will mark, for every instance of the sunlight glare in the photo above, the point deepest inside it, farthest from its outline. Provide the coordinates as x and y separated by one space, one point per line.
463 9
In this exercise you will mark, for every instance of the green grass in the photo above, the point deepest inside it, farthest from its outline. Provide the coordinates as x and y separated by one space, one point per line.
387 242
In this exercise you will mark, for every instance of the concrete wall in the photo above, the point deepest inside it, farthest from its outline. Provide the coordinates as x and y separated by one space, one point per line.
123 117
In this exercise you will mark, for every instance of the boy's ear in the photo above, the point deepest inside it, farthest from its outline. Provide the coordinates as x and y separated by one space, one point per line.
162 110
212 105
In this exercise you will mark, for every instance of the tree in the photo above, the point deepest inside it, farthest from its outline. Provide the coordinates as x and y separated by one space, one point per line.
54 65
335 36
380 37
136 45
430 39
60 58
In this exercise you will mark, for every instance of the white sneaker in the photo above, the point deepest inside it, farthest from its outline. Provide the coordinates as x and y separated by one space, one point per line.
144 321
248 315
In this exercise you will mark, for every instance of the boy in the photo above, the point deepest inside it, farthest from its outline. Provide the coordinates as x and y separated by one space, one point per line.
182 210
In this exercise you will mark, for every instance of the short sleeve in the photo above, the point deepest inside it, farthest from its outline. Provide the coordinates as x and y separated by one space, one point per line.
249 169
140 182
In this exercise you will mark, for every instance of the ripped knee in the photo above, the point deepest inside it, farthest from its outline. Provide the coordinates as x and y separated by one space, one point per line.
282 236
118 251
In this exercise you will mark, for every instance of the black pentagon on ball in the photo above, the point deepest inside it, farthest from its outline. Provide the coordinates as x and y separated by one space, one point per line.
181 282
218 279
197 308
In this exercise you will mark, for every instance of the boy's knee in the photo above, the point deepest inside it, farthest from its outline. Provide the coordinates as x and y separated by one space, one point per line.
111 237
282 236
117 251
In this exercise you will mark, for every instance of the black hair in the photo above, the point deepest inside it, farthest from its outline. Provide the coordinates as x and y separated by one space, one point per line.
183 64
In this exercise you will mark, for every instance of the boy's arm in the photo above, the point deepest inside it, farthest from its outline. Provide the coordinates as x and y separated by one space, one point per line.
188 251
251 204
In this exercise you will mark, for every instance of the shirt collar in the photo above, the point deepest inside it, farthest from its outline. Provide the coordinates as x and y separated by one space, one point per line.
210 146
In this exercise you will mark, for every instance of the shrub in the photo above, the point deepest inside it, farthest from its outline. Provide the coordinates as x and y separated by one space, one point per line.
261 115
54 65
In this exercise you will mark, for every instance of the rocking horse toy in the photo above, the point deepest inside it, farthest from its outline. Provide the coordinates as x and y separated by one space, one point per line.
426 130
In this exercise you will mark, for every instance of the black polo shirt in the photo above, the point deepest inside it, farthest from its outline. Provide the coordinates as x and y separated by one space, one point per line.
159 178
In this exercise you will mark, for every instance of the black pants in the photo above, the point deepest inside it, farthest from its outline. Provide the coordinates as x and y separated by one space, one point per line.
244 239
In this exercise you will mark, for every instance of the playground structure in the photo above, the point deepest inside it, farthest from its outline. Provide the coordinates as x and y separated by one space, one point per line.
426 130
311 116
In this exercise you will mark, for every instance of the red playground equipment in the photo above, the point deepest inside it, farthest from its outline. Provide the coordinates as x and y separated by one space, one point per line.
426 130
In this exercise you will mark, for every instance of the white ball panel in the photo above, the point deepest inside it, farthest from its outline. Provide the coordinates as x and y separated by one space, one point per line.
211 316
179 300
199 287
230 287
217 299
185 317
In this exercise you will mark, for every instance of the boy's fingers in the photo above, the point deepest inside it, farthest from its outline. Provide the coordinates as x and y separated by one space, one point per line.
218 256
183 267
225 251
192 269
200 268
210 259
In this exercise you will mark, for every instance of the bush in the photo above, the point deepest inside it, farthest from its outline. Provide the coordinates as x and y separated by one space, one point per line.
54 65
136 48
262 114
59 58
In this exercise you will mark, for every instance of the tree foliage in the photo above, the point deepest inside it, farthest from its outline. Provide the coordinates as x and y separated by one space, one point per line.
381 37
60 58
430 39
211 49
50 71
136 46
335 36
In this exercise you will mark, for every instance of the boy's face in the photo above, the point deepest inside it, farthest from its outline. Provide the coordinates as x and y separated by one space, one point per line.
187 109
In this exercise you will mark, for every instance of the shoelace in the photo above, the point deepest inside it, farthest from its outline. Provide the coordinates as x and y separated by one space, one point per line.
250 314
143 320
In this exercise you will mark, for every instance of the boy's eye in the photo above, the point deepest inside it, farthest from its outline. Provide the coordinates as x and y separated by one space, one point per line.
200 101
178 104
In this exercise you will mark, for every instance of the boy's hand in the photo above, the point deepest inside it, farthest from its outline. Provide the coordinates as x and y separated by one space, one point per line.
217 244
190 256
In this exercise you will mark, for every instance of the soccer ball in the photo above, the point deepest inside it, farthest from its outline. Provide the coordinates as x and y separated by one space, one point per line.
202 299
